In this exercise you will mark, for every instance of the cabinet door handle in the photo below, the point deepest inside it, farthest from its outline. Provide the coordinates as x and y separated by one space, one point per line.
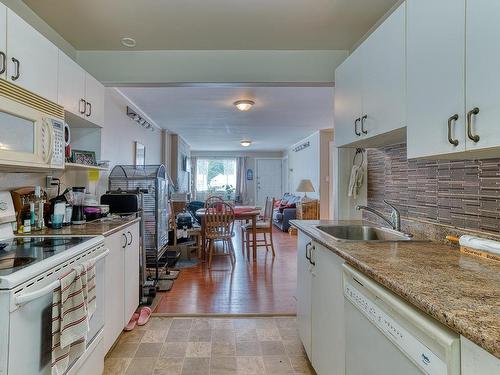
356 126
310 256
452 120
82 110
308 249
17 65
89 109
131 237
363 124
126 240
4 62
471 136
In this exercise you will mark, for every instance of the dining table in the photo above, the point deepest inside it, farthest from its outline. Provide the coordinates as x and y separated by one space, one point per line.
242 213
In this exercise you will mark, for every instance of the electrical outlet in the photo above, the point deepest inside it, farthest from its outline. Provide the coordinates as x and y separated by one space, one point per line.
48 182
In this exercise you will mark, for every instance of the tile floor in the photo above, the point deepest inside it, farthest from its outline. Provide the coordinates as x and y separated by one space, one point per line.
210 346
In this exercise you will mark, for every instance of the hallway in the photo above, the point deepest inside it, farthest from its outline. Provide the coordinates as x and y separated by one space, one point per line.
263 287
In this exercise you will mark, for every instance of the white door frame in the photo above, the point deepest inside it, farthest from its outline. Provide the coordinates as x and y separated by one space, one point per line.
257 173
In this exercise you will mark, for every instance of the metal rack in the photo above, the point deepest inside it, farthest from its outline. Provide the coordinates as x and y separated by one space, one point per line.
153 181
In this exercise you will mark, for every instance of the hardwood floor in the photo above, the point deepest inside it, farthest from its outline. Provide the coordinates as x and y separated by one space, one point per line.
263 287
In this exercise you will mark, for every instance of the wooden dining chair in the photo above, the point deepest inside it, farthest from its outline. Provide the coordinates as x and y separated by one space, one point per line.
219 223
264 227
213 199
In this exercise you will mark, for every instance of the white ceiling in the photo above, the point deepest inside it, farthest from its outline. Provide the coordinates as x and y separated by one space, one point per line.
207 119
212 24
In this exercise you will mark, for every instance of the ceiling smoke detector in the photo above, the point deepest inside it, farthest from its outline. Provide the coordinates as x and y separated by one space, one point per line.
246 142
244 105
128 42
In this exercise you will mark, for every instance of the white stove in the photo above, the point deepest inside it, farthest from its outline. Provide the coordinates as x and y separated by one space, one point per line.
30 268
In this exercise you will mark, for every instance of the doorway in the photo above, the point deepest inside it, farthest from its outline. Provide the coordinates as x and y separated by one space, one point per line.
268 179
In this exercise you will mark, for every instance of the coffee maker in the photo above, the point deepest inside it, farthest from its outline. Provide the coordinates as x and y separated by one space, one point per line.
78 216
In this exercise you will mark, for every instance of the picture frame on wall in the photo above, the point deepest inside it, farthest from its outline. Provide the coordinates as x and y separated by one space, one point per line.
140 154
83 157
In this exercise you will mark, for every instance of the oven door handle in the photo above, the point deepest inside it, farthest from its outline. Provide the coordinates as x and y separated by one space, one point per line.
28 297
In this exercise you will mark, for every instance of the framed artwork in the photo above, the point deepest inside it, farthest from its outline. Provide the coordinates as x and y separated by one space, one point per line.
83 157
140 154
249 174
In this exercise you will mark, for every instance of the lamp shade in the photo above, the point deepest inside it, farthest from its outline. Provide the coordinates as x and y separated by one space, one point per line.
305 186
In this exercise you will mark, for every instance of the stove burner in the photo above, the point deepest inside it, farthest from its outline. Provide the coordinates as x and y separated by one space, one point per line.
9 263
51 242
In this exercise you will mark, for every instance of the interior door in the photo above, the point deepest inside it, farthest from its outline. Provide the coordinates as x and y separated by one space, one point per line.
435 76
482 80
37 56
384 75
268 179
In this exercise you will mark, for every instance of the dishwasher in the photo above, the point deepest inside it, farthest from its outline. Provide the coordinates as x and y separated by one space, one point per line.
386 335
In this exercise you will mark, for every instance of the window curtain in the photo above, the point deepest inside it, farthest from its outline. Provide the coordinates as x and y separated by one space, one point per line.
194 170
241 179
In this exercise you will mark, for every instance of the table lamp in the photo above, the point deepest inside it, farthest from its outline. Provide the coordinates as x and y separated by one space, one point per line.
305 186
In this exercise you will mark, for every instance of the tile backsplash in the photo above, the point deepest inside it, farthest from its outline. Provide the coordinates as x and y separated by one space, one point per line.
459 193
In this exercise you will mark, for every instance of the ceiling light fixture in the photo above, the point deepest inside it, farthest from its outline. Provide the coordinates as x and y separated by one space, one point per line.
134 116
244 105
246 142
128 42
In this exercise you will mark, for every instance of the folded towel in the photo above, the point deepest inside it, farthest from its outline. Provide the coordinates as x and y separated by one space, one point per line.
480 244
355 181
69 320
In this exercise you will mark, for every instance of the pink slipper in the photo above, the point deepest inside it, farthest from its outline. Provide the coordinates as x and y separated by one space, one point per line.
132 322
144 316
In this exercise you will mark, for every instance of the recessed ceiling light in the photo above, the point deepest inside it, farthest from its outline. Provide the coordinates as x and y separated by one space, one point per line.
246 142
244 105
128 42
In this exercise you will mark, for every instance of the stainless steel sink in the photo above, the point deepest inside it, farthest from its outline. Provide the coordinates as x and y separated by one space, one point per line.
363 233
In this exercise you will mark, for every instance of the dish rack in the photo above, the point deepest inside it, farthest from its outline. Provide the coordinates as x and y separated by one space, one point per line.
152 181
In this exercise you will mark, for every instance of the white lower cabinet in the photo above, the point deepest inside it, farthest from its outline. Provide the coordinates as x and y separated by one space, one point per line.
304 287
320 306
122 282
477 361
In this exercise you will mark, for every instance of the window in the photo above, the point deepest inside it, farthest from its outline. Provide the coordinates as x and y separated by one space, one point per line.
215 177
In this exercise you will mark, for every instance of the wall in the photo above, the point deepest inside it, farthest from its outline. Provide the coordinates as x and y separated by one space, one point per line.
179 149
120 67
305 164
463 194
252 156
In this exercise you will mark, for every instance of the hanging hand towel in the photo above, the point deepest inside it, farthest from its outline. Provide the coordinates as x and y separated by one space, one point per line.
355 181
69 320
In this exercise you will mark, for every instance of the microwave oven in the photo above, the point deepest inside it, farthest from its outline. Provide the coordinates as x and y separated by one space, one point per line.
31 129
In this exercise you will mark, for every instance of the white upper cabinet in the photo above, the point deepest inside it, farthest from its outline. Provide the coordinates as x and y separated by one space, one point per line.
348 100
32 59
370 86
3 41
482 78
435 77
71 93
94 98
384 76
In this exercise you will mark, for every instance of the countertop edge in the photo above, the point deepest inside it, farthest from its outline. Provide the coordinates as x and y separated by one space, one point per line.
444 317
120 227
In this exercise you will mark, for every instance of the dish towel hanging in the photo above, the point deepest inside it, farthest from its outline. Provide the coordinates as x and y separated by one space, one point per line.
355 181
70 321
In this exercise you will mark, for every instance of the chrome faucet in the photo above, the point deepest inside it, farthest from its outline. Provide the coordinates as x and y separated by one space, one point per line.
395 218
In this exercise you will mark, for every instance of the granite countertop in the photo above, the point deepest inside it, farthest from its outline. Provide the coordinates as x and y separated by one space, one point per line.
459 290
105 227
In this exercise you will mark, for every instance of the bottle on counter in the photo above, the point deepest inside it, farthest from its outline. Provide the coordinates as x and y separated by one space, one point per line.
38 203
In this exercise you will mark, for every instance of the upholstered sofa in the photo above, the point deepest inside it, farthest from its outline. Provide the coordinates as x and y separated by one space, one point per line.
285 210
